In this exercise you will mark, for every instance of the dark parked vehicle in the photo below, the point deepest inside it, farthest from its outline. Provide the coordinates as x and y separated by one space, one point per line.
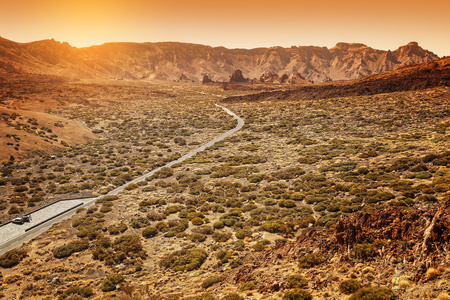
22 219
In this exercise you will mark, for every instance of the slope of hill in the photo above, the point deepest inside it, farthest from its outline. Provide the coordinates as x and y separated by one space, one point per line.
413 77
172 60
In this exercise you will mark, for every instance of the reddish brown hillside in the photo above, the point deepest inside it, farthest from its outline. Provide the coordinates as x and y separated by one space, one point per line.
171 60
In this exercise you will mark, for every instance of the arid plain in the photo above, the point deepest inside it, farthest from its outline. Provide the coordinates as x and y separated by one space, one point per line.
331 190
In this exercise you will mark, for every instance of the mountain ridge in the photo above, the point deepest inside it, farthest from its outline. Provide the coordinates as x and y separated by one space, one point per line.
172 60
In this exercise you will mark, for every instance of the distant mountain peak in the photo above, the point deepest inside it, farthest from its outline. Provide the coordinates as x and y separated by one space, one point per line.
170 59
345 46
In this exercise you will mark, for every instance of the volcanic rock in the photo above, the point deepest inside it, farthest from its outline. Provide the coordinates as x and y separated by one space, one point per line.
237 76
206 79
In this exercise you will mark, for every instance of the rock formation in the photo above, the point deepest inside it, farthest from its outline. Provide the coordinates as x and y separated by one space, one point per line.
169 60
237 76
206 79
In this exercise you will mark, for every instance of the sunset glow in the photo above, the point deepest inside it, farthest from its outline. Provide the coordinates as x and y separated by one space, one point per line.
235 24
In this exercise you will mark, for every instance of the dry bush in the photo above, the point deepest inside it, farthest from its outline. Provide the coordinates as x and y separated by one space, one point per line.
12 258
373 293
297 294
184 260
310 260
212 280
349 286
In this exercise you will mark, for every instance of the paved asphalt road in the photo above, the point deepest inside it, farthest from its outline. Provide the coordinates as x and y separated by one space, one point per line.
13 235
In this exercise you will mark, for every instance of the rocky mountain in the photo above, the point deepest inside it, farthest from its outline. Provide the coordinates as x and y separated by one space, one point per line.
413 77
171 60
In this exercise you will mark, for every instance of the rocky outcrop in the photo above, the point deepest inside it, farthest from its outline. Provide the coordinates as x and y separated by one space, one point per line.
419 237
296 78
237 76
183 77
437 235
415 77
169 60
270 77
206 79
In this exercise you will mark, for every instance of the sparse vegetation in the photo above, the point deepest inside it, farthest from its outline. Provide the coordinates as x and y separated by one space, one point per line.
12 258
225 219
310 260
184 260
212 280
349 286
373 294
297 294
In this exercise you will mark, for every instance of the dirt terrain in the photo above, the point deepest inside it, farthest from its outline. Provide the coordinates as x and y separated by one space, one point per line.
316 197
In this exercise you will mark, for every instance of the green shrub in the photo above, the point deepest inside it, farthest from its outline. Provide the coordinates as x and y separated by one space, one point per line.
310 260
223 256
117 228
163 173
296 281
205 296
105 209
297 294
197 237
247 286
197 221
278 226
241 234
375 293
287 203
131 186
149 232
161 226
239 245
212 280
126 246
205 229
381 196
84 292
289 173
255 178
67 250
184 260
111 281
139 222
363 251
349 286
260 245
427 198
236 263
221 237
12 258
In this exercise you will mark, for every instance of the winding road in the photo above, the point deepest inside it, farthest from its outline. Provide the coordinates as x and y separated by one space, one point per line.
13 235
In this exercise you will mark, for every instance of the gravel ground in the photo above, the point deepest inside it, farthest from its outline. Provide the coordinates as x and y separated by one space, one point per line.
11 231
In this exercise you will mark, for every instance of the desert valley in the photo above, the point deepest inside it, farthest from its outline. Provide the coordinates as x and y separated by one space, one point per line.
336 187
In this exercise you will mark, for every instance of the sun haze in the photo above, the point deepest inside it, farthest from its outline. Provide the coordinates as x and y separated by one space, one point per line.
235 24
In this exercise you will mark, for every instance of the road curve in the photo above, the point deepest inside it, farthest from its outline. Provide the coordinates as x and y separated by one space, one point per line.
239 125
18 238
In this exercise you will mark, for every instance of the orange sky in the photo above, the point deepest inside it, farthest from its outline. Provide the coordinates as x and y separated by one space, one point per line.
383 24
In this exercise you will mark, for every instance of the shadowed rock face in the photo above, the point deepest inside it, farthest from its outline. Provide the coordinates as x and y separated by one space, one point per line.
171 60
237 77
